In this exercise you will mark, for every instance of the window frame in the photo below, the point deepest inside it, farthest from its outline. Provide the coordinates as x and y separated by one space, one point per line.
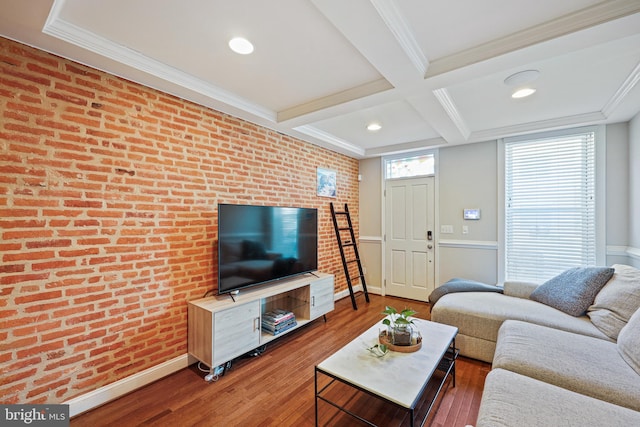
409 155
600 205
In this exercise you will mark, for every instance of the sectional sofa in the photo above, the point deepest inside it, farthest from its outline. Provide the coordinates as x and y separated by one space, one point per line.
566 352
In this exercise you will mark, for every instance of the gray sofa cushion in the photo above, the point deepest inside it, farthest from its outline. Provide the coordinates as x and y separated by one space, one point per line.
510 399
585 365
461 285
520 289
617 301
573 290
480 314
629 343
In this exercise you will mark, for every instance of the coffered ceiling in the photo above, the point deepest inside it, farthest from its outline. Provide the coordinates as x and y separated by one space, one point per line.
431 73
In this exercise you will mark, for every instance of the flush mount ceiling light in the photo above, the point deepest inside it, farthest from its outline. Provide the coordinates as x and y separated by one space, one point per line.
521 82
241 45
374 127
522 93
522 77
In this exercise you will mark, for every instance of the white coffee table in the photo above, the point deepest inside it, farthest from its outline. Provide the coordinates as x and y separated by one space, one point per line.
397 378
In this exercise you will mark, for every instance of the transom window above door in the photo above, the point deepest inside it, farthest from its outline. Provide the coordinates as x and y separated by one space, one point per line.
409 167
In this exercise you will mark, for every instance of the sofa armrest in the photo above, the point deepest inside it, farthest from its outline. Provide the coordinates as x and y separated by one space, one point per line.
519 289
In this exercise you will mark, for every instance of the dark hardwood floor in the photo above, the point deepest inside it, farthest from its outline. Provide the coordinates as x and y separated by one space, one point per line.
277 387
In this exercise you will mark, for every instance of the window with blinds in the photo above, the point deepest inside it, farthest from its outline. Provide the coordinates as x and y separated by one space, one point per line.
550 209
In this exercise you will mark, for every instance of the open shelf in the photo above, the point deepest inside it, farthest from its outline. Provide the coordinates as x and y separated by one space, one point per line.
222 328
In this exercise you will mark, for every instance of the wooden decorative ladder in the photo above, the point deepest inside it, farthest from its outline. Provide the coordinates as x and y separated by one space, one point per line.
346 242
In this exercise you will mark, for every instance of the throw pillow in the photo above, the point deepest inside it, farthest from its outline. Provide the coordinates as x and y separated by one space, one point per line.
461 285
617 301
629 342
573 290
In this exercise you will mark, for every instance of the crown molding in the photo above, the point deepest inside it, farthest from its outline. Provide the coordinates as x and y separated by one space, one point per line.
623 90
542 125
444 98
447 103
405 147
401 30
586 18
330 139
73 34
355 93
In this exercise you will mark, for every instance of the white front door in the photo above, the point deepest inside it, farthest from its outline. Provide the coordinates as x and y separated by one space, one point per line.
409 238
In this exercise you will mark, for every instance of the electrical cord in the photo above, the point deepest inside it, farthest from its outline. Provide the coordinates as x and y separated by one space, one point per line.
258 351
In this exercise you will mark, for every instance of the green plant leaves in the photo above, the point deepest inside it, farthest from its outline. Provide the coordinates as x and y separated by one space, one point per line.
389 310
394 318
407 312
379 350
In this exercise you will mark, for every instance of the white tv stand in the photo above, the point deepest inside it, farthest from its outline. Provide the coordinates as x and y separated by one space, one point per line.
222 328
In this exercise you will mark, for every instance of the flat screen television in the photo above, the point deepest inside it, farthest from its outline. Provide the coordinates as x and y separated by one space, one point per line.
260 244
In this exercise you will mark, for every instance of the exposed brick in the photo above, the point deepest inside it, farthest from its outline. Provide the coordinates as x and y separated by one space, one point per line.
20 278
40 296
38 349
60 243
108 197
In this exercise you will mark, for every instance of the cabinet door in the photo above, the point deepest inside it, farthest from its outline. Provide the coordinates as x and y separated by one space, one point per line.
235 331
321 297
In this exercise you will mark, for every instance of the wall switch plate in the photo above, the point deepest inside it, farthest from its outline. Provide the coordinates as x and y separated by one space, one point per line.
465 229
446 229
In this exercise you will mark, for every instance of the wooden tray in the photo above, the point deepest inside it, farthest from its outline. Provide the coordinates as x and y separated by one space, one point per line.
399 348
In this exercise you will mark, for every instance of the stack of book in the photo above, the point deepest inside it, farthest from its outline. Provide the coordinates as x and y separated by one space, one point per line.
277 321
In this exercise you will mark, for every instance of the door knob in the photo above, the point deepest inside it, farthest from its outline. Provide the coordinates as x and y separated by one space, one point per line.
429 246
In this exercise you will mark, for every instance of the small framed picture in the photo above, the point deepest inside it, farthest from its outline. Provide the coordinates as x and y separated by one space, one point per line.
326 183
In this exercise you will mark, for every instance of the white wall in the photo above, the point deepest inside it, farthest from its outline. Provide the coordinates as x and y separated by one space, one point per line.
617 193
370 243
468 178
634 190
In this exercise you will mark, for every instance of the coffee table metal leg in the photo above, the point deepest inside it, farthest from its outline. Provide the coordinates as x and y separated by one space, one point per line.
453 370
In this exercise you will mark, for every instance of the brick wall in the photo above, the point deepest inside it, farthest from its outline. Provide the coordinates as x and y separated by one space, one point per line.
108 194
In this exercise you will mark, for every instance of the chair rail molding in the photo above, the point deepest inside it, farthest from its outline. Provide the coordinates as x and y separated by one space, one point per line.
624 251
633 252
469 244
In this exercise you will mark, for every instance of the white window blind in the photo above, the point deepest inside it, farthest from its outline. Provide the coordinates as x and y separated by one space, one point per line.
550 209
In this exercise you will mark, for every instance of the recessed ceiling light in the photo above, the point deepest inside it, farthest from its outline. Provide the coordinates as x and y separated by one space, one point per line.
522 93
374 127
241 45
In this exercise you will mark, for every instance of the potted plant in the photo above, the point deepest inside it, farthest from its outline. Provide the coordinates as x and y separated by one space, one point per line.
399 326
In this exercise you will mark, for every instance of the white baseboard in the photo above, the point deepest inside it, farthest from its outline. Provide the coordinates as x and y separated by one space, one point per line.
345 292
112 391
